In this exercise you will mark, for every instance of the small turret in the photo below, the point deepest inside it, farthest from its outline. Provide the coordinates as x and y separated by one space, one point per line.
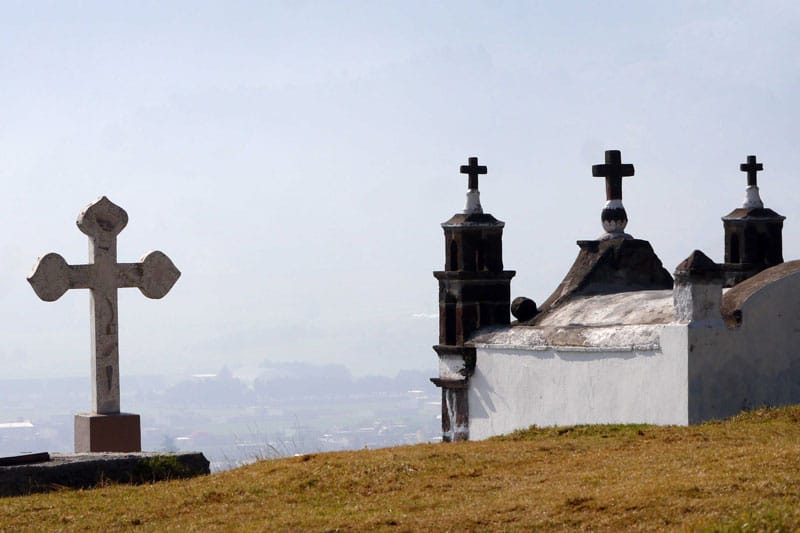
474 292
753 233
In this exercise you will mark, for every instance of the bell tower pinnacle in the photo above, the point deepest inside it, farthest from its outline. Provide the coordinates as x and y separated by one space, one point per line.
753 233
474 292
473 170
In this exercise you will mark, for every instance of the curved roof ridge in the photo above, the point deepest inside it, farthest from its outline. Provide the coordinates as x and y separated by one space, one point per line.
734 298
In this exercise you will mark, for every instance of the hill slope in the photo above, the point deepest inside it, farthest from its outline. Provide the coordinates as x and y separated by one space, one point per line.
722 475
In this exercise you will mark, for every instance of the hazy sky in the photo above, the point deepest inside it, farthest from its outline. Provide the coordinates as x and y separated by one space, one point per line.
295 159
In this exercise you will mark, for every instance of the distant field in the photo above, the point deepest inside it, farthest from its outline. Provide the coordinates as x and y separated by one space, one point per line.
741 474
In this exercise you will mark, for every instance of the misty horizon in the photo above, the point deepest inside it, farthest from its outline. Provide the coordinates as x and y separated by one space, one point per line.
295 160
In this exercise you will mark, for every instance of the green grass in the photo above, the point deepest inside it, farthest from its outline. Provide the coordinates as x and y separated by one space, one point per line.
739 475
159 467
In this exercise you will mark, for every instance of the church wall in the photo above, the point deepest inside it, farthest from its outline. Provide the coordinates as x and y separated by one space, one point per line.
516 388
753 365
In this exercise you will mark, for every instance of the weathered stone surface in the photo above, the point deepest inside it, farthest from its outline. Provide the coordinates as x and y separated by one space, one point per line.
154 276
24 459
620 322
698 291
613 217
87 470
158 274
474 292
734 300
119 432
455 411
753 242
51 277
615 309
473 219
608 267
474 288
753 233
697 263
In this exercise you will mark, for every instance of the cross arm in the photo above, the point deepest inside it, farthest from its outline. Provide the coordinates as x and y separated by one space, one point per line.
154 275
52 277
613 170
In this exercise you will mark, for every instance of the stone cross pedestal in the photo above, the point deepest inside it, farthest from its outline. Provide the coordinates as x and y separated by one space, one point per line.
613 217
105 429
752 168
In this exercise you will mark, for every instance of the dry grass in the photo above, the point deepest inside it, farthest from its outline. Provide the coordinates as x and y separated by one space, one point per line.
742 474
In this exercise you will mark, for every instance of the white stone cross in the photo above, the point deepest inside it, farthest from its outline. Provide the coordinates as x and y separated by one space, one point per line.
154 275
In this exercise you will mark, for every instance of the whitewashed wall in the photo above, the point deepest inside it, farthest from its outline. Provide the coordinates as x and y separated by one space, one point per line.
515 388
754 365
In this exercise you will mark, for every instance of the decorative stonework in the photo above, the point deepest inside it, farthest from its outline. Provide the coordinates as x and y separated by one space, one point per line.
154 275
752 197
473 170
474 292
608 266
614 218
753 233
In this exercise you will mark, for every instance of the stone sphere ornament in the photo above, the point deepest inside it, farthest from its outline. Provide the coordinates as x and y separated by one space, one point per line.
523 308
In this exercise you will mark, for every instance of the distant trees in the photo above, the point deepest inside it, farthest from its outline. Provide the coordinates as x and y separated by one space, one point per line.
289 382
220 390
299 380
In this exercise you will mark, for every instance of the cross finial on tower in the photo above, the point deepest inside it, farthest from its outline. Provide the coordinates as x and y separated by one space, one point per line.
752 198
473 170
752 168
614 217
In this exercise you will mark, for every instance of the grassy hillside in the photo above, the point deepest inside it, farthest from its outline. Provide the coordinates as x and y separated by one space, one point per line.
741 474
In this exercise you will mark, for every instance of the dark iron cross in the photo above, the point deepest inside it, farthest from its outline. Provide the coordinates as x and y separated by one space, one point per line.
473 170
613 171
752 168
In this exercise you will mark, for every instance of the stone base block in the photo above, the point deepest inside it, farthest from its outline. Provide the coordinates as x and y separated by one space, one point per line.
88 470
120 432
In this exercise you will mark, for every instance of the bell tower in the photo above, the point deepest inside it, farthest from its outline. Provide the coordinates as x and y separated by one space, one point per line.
474 292
753 233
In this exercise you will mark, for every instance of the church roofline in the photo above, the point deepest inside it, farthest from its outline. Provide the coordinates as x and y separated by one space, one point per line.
734 299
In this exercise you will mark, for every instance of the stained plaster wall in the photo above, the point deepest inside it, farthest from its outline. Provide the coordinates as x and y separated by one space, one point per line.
514 388
756 364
